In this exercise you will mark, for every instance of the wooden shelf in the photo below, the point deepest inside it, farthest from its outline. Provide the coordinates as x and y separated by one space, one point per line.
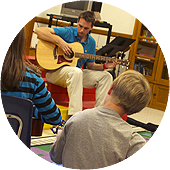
147 49
145 58
147 38
141 55
148 43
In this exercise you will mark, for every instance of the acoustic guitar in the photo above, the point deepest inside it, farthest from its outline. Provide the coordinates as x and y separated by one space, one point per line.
51 57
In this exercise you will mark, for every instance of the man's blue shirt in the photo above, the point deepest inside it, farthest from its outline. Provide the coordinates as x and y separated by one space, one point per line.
69 34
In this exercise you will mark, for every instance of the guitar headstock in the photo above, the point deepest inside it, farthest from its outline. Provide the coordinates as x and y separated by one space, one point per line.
124 63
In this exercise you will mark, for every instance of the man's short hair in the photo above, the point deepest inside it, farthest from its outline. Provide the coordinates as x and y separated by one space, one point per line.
87 16
132 91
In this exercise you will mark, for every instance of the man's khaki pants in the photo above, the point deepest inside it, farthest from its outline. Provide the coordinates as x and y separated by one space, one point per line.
75 79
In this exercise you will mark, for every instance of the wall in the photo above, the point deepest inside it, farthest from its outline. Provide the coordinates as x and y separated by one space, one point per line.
120 20
48 7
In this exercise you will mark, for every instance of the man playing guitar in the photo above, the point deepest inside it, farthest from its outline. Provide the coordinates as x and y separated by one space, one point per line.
75 78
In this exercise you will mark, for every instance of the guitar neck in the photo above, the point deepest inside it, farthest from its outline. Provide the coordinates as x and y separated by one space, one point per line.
103 58
96 57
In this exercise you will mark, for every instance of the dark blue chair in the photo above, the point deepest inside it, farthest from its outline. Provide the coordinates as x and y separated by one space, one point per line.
15 132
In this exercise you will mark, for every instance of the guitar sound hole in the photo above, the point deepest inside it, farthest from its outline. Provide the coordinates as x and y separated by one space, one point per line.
70 56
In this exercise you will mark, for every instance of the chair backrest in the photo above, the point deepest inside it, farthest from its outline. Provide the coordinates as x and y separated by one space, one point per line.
19 112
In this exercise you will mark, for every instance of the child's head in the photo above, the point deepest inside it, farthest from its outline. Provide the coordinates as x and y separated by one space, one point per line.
131 91
15 64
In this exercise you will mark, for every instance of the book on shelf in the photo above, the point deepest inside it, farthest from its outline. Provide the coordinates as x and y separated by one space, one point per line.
149 72
147 33
152 36
144 35
138 67
146 59
143 69
146 50
147 55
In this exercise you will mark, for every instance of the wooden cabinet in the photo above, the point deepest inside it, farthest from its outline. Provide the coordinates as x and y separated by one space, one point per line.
147 58
162 71
156 70
161 84
159 97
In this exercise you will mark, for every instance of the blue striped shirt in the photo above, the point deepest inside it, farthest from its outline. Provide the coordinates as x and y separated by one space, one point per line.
33 88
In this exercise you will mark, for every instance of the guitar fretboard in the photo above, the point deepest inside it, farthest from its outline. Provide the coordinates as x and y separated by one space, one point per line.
101 58
95 57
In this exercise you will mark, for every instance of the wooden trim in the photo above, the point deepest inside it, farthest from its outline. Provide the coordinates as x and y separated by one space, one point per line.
147 38
30 15
144 57
32 52
136 32
94 30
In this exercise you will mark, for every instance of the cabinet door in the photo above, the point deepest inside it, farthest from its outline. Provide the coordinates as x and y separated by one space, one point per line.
146 62
160 97
162 71
151 86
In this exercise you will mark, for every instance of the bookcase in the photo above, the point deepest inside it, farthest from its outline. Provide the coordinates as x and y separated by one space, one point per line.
147 57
